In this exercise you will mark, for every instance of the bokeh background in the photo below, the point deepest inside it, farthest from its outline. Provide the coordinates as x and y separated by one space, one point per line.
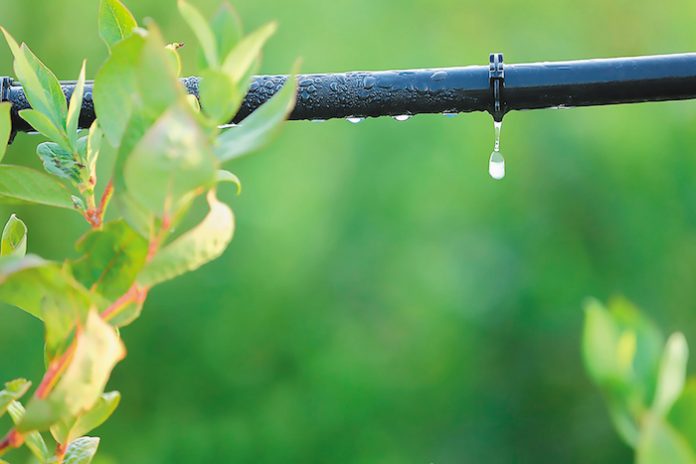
384 301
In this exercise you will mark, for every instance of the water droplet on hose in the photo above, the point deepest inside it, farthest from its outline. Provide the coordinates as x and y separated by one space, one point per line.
355 120
369 82
496 163
439 76
403 117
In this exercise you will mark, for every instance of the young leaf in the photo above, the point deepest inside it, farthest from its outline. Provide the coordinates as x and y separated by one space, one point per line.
33 440
98 350
682 416
93 148
40 85
158 85
81 451
13 391
259 127
116 22
69 429
114 86
25 185
47 291
220 97
660 443
14 238
172 160
227 28
111 259
45 126
228 177
672 376
5 127
202 244
75 107
240 59
203 32
58 161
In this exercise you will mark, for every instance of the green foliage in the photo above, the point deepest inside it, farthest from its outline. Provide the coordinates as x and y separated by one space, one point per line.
111 259
19 184
14 238
5 127
70 428
116 22
33 440
642 381
169 152
13 391
195 248
81 451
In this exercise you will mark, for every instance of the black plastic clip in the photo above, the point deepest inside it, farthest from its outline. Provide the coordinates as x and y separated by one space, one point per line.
496 75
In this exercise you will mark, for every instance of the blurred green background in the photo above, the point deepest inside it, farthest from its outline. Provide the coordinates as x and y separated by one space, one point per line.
385 301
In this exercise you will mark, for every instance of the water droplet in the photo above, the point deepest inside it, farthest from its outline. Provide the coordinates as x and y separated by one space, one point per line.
496 163
450 115
369 82
403 117
355 120
439 76
318 120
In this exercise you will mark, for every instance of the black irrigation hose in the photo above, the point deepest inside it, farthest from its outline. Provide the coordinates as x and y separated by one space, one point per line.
452 90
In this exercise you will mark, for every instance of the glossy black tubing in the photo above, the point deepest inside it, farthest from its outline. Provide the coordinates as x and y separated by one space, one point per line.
452 90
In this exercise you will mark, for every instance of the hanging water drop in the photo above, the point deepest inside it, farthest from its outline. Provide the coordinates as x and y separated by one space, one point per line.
496 164
403 117
355 120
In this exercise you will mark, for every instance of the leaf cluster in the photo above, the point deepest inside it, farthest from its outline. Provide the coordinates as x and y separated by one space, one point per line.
171 149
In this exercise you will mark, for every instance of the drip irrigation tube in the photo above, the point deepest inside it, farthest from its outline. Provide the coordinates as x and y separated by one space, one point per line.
492 88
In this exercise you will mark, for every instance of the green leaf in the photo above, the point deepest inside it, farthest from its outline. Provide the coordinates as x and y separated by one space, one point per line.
228 177
13 391
5 127
49 292
158 85
25 185
660 444
114 88
59 162
202 244
75 107
139 218
259 128
111 259
81 451
93 148
623 421
220 97
240 59
14 238
116 22
203 32
79 389
172 160
622 350
69 429
33 440
227 28
40 85
672 376
682 416
46 127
